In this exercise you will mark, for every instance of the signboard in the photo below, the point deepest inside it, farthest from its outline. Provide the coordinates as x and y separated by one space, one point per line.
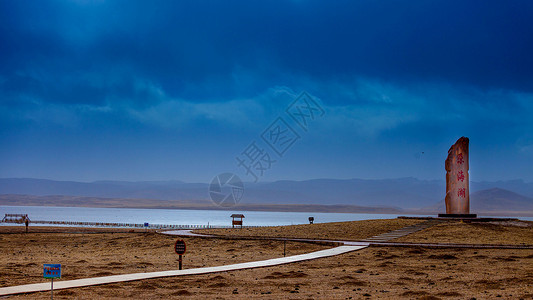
180 247
52 270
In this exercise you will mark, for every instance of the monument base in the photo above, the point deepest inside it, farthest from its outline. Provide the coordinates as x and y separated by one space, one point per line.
458 216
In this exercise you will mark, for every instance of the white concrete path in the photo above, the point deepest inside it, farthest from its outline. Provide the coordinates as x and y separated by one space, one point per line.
41 287
189 233
348 246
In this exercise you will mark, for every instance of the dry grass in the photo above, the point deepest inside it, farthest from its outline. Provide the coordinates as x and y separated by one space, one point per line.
512 233
352 231
100 254
376 272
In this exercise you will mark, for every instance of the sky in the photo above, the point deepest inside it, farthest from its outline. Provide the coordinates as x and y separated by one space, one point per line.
268 90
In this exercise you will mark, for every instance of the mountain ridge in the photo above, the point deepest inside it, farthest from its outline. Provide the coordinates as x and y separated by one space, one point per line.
402 193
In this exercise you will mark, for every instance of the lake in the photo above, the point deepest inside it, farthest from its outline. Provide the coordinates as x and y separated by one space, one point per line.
179 217
183 217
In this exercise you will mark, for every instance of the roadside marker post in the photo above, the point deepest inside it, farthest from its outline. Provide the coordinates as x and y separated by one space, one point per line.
180 248
52 271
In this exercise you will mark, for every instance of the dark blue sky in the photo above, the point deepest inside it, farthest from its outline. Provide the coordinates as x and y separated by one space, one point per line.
157 90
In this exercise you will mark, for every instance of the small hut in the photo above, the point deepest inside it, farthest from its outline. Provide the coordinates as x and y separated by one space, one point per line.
236 222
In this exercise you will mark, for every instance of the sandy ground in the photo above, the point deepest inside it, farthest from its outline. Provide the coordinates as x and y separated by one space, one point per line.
350 231
511 233
84 254
376 272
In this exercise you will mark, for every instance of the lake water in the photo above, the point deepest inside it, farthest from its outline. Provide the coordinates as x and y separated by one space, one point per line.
179 217
183 217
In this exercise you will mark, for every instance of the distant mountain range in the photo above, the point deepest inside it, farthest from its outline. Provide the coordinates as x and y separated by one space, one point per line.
407 194
492 201
77 201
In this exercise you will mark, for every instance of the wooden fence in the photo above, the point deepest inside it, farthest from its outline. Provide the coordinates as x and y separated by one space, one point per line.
125 225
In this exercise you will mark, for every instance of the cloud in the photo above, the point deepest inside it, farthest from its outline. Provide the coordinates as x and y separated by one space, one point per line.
386 72
484 44
145 102
251 112
380 107
368 107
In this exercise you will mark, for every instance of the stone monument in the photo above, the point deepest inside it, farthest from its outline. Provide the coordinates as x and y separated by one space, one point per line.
457 187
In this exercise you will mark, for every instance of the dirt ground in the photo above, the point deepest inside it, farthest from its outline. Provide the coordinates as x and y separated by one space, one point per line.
84 254
372 273
349 231
510 233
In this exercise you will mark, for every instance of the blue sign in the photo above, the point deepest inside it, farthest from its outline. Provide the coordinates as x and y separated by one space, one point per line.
52 271
146 224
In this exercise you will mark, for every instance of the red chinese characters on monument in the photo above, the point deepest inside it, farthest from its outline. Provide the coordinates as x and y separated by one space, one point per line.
460 159
457 190
460 176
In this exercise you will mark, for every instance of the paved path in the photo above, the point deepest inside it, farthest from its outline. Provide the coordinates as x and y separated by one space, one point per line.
450 245
378 240
41 287
385 237
189 233
347 246
375 240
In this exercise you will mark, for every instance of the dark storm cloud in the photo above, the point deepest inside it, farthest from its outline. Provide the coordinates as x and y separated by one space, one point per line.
385 71
187 46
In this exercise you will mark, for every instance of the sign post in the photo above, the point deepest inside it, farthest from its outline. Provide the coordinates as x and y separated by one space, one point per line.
180 248
52 271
